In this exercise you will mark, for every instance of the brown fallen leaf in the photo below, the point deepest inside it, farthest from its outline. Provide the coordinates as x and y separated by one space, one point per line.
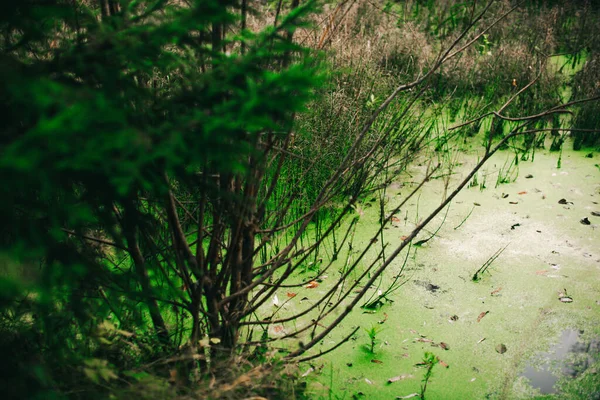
513 202
496 291
376 361
442 363
385 317
424 340
290 295
312 285
541 272
444 346
523 192
483 314
277 328
403 238
395 219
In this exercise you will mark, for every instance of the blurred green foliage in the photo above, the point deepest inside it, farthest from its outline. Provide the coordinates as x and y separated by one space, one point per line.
101 101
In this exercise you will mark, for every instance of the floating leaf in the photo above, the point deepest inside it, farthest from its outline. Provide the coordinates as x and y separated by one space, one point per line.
496 291
399 378
480 340
523 192
215 340
442 363
312 285
403 238
376 361
385 317
513 202
444 346
501 348
408 396
275 301
424 340
277 328
483 314
308 371
566 299
541 272
368 381
291 295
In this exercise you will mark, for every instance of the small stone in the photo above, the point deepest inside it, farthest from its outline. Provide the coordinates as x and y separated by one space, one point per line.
585 221
528 176
596 213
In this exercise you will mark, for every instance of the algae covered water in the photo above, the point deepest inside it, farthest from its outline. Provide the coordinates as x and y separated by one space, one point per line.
534 227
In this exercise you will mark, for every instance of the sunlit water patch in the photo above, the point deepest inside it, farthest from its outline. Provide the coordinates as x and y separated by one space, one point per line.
544 370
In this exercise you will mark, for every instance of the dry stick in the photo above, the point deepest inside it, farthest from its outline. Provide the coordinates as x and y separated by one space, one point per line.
328 34
324 270
94 239
324 236
180 243
289 270
486 29
560 129
357 261
395 253
331 348
392 287
521 91
330 24
278 262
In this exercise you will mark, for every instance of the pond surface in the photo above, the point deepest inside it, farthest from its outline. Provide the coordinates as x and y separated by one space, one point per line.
543 287
543 376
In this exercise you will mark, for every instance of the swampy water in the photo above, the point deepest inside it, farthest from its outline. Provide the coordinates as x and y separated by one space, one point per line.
510 335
